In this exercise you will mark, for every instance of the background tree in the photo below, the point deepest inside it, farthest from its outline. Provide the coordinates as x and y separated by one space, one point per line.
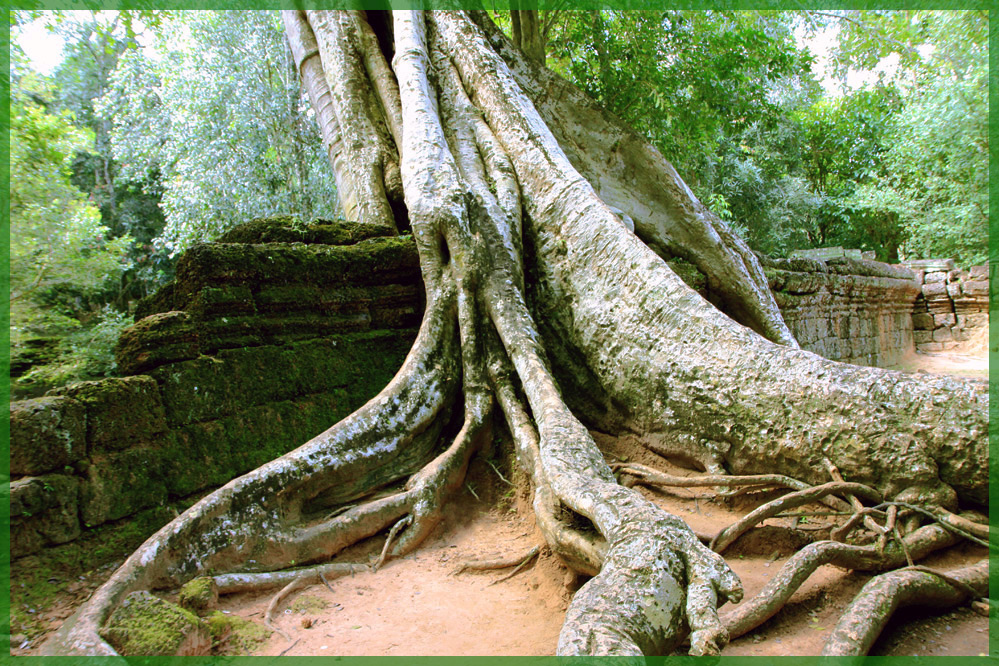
211 111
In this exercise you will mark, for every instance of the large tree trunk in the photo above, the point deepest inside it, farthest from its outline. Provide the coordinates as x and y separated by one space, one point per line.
542 223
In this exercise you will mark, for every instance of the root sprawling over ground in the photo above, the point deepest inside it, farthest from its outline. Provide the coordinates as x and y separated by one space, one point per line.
542 225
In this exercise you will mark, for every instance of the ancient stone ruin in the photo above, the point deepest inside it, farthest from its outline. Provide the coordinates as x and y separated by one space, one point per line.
278 330
951 303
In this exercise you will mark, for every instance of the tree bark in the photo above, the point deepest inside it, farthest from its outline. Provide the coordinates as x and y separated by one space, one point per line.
541 224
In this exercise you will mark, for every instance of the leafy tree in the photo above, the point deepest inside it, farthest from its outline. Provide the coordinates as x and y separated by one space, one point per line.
546 312
59 251
211 111
931 192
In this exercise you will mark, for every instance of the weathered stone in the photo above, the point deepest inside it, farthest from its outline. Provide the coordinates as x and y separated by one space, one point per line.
121 412
46 434
166 337
923 321
43 512
936 277
976 288
819 253
940 320
199 595
943 335
119 484
923 336
930 264
935 291
979 272
931 346
954 290
145 625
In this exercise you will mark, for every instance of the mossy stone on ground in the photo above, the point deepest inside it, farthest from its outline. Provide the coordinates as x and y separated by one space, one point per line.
121 412
233 635
145 625
199 595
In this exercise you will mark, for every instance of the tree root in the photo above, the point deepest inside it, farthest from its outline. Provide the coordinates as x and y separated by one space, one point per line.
871 609
727 536
499 562
757 610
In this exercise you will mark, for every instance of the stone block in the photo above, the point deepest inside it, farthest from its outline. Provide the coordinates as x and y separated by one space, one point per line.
930 346
954 290
976 288
930 264
979 272
121 412
166 337
947 319
936 277
46 434
145 625
43 512
121 483
920 337
923 321
943 335
935 291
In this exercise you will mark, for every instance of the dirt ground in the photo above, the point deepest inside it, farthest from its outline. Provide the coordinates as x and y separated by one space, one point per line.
419 605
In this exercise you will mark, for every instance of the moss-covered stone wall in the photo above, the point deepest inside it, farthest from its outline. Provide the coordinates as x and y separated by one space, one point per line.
265 339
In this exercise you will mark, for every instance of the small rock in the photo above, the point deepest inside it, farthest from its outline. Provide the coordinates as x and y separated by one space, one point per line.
306 623
199 595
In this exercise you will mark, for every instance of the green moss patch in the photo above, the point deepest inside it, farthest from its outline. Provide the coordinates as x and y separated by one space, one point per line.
149 626
233 635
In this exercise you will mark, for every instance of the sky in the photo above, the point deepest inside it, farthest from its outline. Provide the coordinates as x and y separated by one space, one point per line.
44 49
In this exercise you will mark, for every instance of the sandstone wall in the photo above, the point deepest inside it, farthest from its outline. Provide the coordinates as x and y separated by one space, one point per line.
951 303
852 310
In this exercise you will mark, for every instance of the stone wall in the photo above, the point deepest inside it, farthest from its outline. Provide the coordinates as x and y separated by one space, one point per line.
951 303
264 340
845 309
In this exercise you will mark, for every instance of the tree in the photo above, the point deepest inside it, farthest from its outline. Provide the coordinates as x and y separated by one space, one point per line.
59 249
210 110
544 306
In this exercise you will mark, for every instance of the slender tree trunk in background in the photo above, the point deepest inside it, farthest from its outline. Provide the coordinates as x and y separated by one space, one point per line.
541 224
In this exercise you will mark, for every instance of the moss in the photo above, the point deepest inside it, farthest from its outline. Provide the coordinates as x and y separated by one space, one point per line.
37 580
146 625
291 229
233 635
308 603
199 595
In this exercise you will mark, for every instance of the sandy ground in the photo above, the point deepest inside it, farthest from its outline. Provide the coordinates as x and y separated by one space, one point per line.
418 605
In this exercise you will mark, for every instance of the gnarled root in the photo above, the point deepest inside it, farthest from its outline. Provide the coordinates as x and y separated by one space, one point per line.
798 568
871 609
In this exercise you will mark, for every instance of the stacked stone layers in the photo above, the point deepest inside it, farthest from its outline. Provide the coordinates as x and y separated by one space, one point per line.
254 349
951 305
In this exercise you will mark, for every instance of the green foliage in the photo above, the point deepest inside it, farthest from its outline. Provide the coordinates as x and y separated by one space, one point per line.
935 168
85 352
59 251
213 108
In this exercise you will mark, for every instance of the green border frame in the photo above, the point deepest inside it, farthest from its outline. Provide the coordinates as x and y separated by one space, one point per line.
504 4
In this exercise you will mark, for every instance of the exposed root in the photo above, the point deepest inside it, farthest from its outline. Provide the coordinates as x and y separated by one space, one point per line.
867 615
252 582
727 536
527 560
499 562
649 476
798 568
403 522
